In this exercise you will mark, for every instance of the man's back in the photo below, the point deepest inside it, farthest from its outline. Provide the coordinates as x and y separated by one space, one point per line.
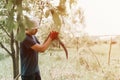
29 57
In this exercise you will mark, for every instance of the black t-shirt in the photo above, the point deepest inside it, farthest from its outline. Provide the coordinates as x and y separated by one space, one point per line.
29 57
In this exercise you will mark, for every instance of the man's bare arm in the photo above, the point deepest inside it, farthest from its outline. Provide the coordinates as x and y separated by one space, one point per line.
43 47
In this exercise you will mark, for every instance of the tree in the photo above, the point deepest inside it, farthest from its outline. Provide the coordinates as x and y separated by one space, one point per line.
12 22
9 27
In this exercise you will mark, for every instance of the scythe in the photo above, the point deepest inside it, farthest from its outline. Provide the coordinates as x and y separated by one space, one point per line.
63 46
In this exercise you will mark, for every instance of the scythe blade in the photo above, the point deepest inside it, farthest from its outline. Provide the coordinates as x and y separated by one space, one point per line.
63 46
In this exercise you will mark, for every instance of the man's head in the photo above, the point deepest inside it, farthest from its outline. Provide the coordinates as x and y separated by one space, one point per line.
32 25
31 31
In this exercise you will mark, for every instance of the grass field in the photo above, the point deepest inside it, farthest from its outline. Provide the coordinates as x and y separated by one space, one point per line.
81 65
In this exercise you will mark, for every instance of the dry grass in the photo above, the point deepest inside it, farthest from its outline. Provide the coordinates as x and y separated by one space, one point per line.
81 65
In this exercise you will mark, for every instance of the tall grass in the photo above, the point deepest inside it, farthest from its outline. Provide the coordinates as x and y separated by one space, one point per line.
6 69
81 65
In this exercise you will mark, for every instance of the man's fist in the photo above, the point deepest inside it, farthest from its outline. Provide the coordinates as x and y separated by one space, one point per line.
53 35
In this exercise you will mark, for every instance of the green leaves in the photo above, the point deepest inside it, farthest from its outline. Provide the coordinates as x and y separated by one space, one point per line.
71 2
9 5
47 13
56 18
10 22
61 8
20 33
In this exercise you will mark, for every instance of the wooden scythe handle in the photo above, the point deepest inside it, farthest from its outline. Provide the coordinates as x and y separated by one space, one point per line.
63 46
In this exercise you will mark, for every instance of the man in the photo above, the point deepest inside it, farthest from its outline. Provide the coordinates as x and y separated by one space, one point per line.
29 49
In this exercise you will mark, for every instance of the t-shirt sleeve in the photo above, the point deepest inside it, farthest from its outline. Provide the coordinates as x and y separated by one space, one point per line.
29 43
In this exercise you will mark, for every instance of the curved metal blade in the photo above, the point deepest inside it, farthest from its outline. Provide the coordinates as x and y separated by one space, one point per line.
63 46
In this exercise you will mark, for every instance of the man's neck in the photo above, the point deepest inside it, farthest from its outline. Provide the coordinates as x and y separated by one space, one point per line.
28 33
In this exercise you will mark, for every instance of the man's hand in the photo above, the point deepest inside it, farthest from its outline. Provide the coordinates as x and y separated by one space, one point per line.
53 35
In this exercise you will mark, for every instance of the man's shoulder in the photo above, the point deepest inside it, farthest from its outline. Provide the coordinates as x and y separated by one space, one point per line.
27 38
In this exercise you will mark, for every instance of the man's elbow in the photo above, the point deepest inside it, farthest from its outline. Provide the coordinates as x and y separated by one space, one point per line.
42 50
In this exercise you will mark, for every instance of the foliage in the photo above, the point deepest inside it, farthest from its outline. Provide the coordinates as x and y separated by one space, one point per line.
14 14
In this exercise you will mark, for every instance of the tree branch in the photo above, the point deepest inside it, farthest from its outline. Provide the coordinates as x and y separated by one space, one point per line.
5 31
12 43
2 46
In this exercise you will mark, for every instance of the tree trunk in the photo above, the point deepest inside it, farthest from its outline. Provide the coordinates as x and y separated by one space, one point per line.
15 55
15 67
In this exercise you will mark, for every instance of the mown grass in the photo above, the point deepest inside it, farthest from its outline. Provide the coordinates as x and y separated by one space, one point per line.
81 65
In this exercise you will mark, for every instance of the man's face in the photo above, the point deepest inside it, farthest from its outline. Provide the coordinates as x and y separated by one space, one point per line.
33 31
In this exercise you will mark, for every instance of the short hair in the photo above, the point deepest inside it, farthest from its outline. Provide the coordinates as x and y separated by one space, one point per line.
31 22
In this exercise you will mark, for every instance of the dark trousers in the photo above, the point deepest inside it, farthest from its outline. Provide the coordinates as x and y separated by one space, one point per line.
35 76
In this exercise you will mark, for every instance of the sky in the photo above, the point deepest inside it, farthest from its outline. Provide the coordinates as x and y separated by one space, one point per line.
102 16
